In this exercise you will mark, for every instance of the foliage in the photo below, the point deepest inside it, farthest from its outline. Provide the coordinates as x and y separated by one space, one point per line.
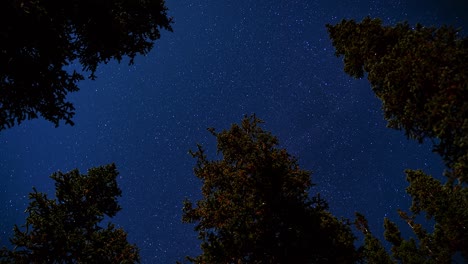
448 206
420 74
66 229
256 206
372 249
39 40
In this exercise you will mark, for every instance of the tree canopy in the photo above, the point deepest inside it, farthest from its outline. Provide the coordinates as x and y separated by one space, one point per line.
39 39
67 229
420 74
256 205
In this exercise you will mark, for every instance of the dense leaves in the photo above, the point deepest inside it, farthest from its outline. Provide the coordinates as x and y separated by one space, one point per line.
256 206
420 74
67 229
39 39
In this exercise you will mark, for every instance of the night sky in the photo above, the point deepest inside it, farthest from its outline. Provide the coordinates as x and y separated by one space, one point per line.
226 59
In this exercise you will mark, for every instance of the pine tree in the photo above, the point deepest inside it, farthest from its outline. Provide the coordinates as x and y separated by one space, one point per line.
420 74
67 229
256 206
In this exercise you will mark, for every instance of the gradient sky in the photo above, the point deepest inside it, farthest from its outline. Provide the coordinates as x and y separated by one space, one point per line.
226 59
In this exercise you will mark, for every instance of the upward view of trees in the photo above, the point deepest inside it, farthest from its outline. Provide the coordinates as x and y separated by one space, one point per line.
256 204
39 38
421 76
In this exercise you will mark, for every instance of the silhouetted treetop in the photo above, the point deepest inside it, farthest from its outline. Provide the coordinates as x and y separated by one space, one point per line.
68 229
256 206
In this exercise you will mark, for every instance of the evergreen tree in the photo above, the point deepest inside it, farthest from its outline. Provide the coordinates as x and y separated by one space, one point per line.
256 206
67 229
420 74
372 249
40 38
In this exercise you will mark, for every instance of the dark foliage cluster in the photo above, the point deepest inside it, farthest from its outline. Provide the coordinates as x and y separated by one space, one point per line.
421 76
256 206
68 229
39 39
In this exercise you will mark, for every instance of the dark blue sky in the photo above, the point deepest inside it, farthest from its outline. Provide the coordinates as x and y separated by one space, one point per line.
226 59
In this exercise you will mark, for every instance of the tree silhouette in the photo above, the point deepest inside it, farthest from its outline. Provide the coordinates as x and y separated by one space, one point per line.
39 39
256 206
420 74
67 229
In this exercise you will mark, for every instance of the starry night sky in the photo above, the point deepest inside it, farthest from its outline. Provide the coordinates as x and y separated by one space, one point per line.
226 59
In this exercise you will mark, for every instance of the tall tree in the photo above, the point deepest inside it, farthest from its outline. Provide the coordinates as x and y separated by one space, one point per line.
39 39
67 229
256 206
420 74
